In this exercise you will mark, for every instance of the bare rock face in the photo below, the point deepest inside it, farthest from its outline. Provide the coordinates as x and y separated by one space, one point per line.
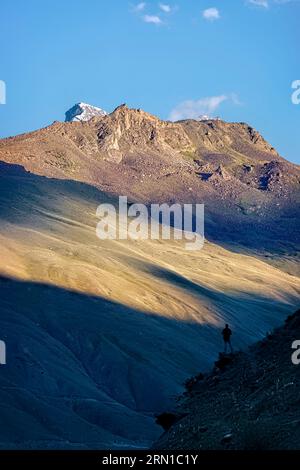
133 131
221 173
272 176
83 112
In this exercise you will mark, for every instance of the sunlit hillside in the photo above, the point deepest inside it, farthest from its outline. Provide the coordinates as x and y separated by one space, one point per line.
102 334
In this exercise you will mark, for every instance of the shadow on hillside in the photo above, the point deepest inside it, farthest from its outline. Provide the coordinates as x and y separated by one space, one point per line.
21 189
182 282
277 236
85 357
102 335
23 194
80 364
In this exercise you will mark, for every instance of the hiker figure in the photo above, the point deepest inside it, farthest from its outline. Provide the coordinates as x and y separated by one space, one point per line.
226 333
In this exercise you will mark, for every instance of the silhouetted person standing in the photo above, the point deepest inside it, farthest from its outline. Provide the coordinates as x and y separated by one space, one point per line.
226 333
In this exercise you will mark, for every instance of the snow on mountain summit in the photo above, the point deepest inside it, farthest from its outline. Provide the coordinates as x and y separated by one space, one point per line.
83 112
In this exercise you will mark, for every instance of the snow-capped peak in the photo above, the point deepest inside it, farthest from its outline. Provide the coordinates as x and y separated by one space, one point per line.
83 112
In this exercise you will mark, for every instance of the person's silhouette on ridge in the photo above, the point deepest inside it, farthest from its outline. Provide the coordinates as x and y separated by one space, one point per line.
226 333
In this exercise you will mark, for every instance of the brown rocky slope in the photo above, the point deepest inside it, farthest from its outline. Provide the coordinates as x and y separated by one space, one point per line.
250 404
102 334
251 194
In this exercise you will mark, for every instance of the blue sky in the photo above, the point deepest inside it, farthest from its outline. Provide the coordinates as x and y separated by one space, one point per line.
232 58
